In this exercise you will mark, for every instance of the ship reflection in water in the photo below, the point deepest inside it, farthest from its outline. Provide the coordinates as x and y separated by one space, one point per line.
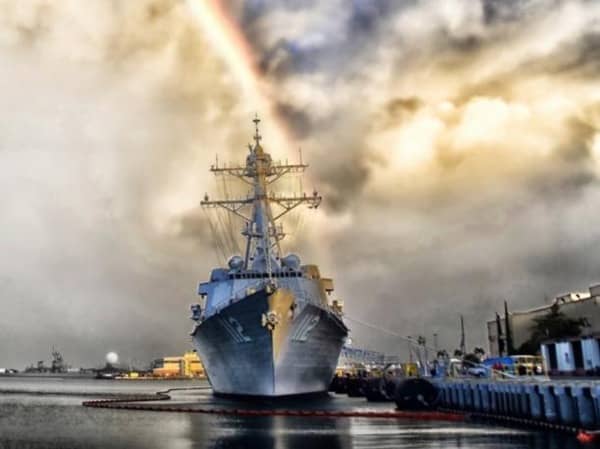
30 417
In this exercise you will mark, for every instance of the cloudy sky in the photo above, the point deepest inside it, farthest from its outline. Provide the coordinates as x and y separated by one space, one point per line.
456 143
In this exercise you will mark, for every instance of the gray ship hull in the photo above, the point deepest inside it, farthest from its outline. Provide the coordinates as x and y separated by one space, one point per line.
242 356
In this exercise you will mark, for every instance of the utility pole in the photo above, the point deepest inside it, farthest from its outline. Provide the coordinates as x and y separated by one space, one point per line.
507 331
500 336
463 345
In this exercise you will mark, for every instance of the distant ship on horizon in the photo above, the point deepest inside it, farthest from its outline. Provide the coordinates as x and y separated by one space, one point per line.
266 325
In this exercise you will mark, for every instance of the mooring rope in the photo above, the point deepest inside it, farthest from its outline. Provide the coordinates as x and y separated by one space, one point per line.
441 414
135 403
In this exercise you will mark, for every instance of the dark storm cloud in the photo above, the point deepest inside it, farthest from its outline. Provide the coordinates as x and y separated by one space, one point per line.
398 109
342 185
194 225
399 105
576 147
506 11
483 218
357 34
572 59
297 119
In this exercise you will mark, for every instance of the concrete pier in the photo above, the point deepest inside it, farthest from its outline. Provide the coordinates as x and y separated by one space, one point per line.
573 404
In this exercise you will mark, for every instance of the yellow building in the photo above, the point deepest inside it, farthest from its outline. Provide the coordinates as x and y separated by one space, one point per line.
188 365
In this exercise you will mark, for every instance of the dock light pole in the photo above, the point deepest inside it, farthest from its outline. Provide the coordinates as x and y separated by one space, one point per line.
508 331
463 343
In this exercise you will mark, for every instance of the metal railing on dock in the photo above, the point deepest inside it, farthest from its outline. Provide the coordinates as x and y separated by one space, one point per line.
565 405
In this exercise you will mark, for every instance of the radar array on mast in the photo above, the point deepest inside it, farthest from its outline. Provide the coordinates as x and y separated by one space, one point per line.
261 231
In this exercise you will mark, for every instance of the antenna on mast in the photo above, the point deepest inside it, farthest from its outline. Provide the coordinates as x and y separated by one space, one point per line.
463 346
257 135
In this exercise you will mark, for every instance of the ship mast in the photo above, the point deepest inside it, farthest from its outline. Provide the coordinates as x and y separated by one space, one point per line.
263 235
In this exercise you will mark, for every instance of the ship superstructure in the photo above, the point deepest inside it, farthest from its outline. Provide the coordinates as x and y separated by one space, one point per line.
266 325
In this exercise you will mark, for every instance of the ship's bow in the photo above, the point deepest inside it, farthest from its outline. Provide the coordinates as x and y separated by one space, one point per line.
268 344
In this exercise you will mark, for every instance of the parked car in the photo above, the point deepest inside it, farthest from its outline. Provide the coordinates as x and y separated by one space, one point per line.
478 371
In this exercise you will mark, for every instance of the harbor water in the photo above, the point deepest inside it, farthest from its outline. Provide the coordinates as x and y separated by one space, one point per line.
46 413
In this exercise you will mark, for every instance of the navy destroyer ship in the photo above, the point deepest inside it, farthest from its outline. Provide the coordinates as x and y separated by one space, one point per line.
266 325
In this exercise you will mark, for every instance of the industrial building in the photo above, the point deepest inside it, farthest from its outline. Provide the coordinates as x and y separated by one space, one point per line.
187 365
508 332
572 356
